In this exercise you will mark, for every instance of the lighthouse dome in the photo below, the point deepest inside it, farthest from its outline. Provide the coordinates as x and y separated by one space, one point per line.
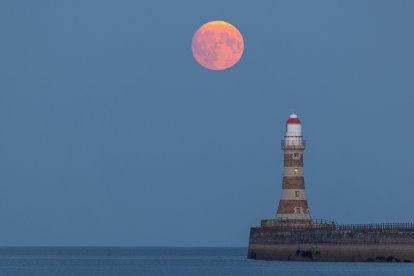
293 119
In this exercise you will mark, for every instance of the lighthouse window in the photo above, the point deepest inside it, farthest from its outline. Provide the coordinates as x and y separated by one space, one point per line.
297 193
295 171
296 155
298 210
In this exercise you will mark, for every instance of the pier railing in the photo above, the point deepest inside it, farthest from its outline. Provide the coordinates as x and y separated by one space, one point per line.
375 226
331 224
325 223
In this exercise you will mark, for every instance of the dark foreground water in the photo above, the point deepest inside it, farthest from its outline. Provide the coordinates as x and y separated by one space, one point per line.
102 261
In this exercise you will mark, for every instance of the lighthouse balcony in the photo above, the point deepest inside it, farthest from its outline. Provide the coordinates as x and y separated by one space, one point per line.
293 144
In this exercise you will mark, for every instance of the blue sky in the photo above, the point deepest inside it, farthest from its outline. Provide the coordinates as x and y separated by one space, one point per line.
112 134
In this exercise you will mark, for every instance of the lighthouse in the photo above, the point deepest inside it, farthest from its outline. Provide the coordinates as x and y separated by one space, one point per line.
293 205
293 235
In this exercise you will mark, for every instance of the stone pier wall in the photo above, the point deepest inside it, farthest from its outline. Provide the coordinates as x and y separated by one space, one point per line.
327 242
333 252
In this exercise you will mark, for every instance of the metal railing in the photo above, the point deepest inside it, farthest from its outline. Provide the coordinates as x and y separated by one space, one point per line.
297 143
331 224
376 226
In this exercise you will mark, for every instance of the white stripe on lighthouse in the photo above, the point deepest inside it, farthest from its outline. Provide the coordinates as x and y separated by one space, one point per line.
293 216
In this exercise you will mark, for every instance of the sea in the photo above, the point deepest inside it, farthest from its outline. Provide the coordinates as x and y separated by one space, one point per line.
171 261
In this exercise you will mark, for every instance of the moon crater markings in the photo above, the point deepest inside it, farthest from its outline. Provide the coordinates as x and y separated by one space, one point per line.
217 45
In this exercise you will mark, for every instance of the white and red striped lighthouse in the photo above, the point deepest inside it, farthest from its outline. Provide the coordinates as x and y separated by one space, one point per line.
293 204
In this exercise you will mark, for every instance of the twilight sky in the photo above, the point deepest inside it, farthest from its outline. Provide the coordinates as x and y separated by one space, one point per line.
112 134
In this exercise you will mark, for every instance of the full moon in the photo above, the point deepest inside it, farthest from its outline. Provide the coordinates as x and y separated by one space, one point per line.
217 45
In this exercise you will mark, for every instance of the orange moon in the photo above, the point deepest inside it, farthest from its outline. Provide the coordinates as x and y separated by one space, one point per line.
217 45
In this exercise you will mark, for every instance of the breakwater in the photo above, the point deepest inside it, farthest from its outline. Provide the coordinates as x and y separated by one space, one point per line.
328 241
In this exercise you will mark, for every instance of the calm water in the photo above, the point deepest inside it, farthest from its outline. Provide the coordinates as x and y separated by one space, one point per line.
47 261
